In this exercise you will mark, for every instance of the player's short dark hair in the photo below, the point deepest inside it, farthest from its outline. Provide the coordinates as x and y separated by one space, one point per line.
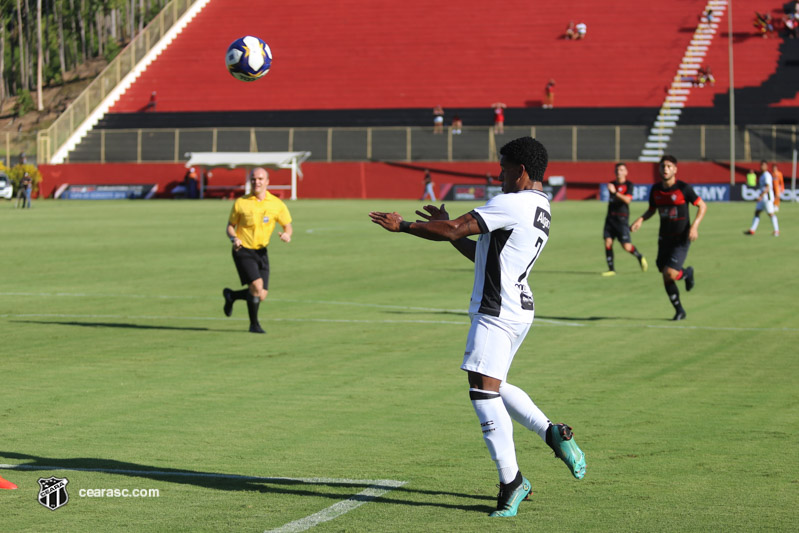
619 165
528 152
763 161
668 157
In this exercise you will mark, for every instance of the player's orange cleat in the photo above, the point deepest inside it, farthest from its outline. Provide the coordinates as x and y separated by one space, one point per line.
5 484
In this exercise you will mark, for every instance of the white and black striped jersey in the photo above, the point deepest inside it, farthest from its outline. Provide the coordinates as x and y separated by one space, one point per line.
515 229
767 186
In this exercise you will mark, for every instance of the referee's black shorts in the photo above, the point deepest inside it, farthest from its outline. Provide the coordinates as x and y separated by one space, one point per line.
251 265
617 228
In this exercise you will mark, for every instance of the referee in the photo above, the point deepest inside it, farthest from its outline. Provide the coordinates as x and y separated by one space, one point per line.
251 223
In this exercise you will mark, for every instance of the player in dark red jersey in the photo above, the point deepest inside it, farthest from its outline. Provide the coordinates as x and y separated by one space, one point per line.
670 198
617 220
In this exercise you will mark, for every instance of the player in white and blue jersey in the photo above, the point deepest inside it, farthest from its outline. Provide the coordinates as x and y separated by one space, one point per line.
765 200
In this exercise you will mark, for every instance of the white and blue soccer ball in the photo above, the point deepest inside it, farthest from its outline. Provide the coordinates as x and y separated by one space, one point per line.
248 58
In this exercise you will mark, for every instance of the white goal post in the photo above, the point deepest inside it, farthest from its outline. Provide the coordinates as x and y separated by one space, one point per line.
291 160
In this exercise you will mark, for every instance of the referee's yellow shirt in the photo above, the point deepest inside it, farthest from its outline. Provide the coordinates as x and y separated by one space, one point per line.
255 219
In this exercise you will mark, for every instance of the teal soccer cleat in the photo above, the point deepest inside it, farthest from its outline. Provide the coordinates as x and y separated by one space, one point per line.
561 439
509 499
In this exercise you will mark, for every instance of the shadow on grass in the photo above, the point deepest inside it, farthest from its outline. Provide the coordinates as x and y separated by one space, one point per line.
234 482
120 325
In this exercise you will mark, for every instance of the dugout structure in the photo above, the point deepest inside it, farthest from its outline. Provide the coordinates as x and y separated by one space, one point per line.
290 160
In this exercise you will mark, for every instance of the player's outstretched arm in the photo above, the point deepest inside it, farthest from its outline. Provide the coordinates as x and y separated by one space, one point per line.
434 230
464 245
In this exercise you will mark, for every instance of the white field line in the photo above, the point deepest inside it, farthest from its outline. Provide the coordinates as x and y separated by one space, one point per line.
375 489
335 510
538 321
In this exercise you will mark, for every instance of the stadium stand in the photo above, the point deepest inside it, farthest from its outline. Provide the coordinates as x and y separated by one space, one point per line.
358 54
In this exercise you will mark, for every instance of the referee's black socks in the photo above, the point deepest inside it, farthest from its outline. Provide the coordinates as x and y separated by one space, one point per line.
253 303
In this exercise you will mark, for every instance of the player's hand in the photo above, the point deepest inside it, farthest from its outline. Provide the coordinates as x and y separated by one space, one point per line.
433 213
693 234
390 221
636 225
285 237
236 244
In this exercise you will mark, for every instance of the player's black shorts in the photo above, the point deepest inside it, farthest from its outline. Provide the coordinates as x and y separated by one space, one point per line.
251 265
617 228
672 253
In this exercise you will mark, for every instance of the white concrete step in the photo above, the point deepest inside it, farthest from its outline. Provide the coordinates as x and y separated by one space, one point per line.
652 152
668 131
651 146
648 159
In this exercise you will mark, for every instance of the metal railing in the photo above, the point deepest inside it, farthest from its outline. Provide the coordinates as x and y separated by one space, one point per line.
564 143
52 138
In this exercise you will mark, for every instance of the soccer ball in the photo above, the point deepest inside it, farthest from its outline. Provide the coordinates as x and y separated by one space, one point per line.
248 58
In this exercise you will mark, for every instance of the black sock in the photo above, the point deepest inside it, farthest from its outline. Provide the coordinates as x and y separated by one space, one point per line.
516 481
609 257
253 303
636 253
674 295
243 294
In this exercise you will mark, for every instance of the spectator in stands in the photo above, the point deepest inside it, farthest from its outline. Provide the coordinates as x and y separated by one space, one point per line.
499 117
549 94
23 159
571 31
438 119
791 25
151 104
764 24
708 17
704 76
457 125
428 187
582 29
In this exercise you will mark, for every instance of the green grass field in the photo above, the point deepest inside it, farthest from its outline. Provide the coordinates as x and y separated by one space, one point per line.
119 371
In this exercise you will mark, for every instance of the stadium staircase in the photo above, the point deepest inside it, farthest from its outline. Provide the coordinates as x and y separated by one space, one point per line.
685 79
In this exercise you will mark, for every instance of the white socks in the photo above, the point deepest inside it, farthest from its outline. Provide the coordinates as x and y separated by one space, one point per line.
755 223
497 429
522 409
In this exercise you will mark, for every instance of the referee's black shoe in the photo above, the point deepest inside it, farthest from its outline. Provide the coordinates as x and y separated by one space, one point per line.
228 295
681 314
256 328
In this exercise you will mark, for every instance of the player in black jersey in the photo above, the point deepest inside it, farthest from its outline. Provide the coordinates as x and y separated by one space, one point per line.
670 198
617 219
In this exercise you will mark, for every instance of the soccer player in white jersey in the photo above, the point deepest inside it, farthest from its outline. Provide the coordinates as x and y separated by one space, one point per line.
513 229
765 201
